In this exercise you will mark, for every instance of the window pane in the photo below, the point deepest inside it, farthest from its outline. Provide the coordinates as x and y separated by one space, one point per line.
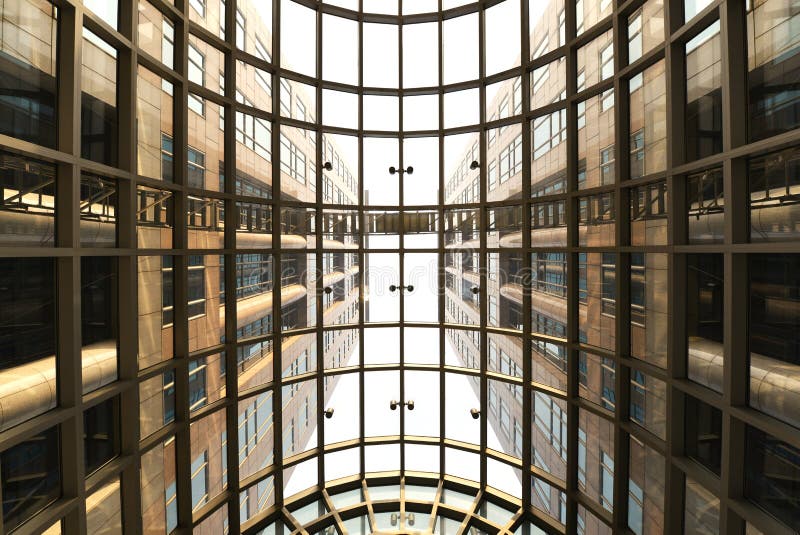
27 339
648 122
704 94
31 477
705 278
98 100
774 334
772 476
420 66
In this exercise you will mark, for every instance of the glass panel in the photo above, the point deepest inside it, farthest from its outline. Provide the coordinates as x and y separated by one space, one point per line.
298 38
253 156
548 155
772 476
28 339
462 464
646 480
105 10
701 510
423 389
596 465
156 301
256 434
340 36
383 272
421 459
462 348
597 298
380 388
156 402
342 395
421 187
548 83
339 109
101 434
421 345
649 403
158 488
505 421
703 433
381 112
28 201
420 112
382 345
704 314
596 156
257 498
209 450
703 127
420 67
692 7
504 157
31 477
103 510
547 24
645 29
421 304
154 107
382 458
596 60
649 207
596 380
774 181
340 184
380 187
597 217
460 48
774 334
549 434
156 34
502 37
461 395
206 306
772 40
380 61
648 121
461 108
341 464
98 100
254 27
705 199
590 12
649 307
253 86
462 176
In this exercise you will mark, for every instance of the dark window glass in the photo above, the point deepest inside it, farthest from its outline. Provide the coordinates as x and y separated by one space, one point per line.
774 72
774 188
703 433
28 61
99 100
772 476
27 203
775 334
31 477
705 204
704 308
98 211
704 94
100 434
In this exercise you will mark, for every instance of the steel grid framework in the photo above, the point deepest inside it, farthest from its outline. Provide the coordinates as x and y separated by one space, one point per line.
734 509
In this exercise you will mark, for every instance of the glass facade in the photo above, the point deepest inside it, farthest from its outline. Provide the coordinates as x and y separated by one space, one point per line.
549 249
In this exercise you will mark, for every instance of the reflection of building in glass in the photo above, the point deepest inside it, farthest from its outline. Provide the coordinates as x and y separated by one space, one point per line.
617 241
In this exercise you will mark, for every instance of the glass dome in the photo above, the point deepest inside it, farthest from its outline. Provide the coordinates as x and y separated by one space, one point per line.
395 266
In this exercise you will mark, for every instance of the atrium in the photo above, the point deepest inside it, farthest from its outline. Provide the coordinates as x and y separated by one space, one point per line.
344 267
